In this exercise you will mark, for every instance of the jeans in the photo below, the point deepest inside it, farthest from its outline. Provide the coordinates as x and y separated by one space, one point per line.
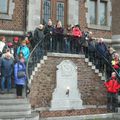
8 78
112 101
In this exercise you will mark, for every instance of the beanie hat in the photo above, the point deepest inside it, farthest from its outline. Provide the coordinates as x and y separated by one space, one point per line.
15 39
9 44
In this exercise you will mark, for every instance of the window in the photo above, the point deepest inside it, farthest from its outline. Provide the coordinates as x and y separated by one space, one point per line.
103 13
46 10
60 12
6 9
4 6
54 9
92 11
99 14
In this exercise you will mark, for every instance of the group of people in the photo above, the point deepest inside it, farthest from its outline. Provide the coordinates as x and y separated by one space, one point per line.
55 38
58 39
73 40
112 83
13 58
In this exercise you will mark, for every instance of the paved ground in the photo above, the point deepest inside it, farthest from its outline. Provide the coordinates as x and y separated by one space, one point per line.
84 117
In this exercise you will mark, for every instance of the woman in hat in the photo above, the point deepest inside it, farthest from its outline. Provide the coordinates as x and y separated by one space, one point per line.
20 75
24 49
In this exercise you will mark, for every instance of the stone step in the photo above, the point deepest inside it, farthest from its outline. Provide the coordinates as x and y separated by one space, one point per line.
86 60
108 116
89 63
93 67
100 74
7 96
117 116
14 113
12 110
103 78
15 107
118 109
96 71
13 101
32 116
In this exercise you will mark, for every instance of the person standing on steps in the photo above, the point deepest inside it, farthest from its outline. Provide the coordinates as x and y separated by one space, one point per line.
58 37
38 34
20 75
48 35
7 64
101 53
112 87
24 49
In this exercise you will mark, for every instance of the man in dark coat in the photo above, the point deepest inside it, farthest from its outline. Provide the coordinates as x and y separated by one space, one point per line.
38 34
101 52
48 35
6 71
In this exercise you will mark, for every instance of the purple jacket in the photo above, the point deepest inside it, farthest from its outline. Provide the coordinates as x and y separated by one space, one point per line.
19 66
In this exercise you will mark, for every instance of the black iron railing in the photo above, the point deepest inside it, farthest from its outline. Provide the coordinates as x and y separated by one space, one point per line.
62 44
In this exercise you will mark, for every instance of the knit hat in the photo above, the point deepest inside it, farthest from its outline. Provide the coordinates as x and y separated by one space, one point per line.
9 44
16 39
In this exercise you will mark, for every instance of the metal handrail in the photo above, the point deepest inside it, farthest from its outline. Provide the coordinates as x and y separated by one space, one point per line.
118 76
33 65
40 49
39 43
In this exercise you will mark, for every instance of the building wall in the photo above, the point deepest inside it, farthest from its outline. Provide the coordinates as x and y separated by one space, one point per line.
33 10
17 23
83 22
115 17
76 15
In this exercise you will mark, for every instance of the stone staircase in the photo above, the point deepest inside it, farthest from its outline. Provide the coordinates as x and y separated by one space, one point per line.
86 60
43 79
15 109
94 68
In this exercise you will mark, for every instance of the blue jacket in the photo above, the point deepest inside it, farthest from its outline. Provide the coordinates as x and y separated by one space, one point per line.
7 67
19 66
25 50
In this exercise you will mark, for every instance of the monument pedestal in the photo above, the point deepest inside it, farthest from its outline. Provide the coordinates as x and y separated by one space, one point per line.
66 95
65 102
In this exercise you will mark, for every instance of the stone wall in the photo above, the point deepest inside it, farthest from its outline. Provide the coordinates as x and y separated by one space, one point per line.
17 23
115 17
44 82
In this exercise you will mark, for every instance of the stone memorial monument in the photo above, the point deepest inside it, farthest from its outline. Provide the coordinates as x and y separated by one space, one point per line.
66 95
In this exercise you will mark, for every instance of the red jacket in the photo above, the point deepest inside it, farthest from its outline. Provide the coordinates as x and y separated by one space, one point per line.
112 86
76 32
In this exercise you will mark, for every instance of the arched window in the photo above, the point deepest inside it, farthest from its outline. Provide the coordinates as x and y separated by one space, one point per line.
54 9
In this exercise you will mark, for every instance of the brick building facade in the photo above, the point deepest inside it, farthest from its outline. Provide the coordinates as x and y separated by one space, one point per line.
13 22
116 23
27 14
89 83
